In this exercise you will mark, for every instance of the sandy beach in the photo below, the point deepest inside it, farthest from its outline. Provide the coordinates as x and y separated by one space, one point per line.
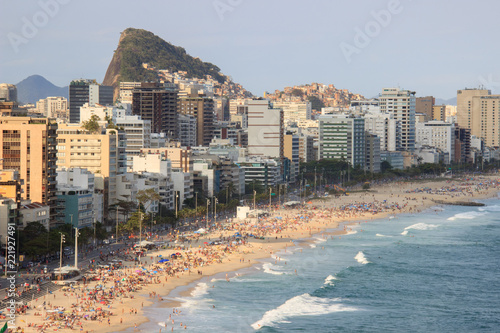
116 301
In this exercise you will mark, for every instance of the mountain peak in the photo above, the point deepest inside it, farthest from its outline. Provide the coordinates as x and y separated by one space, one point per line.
36 87
138 46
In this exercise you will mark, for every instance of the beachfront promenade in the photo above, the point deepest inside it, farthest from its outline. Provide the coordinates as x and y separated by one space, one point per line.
113 299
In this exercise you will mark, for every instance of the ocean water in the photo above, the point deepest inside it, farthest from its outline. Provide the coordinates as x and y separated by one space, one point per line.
437 271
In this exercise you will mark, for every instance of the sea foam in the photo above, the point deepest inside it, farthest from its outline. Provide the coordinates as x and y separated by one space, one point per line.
380 235
422 226
494 208
360 257
200 290
329 280
303 305
467 215
268 268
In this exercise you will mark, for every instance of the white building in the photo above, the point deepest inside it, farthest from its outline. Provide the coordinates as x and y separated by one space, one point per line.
429 155
137 135
154 166
183 185
294 111
187 129
205 168
438 134
82 179
105 112
265 130
8 212
386 128
401 103
52 107
266 172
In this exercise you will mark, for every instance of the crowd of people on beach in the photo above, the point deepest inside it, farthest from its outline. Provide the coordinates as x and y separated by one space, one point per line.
96 298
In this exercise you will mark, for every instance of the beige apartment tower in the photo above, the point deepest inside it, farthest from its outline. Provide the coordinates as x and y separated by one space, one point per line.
29 146
478 110
97 152
464 105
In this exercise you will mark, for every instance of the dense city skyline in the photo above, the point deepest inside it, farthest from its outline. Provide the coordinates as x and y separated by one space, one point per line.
431 48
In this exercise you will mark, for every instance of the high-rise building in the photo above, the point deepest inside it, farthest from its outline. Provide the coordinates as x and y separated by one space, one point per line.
386 128
343 138
87 91
265 130
53 107
202 108
478 110
157 103
8 92
439 112
137 135
187 130
294 111
372 158
424 105
100 153
29 146
462 145
437 134
291 144
464 106
401 103
486 119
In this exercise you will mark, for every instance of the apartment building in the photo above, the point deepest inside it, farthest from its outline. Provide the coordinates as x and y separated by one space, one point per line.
401 104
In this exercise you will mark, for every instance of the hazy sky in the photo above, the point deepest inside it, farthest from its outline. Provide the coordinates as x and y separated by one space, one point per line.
432 47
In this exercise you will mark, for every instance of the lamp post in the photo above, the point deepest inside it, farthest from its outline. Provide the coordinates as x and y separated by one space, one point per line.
215 215
77 233
196 204
270 189
140 228
254 192
279 195
176 199
63 240
117 224
95 239
208 203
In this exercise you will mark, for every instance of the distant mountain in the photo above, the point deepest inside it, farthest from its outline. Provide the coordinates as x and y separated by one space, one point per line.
451 101
137 46
36 87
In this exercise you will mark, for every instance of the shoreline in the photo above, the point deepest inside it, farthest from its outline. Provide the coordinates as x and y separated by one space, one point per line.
254 251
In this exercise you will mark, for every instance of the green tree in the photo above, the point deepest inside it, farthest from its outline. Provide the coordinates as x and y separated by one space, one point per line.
92 124
146 198
385 166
